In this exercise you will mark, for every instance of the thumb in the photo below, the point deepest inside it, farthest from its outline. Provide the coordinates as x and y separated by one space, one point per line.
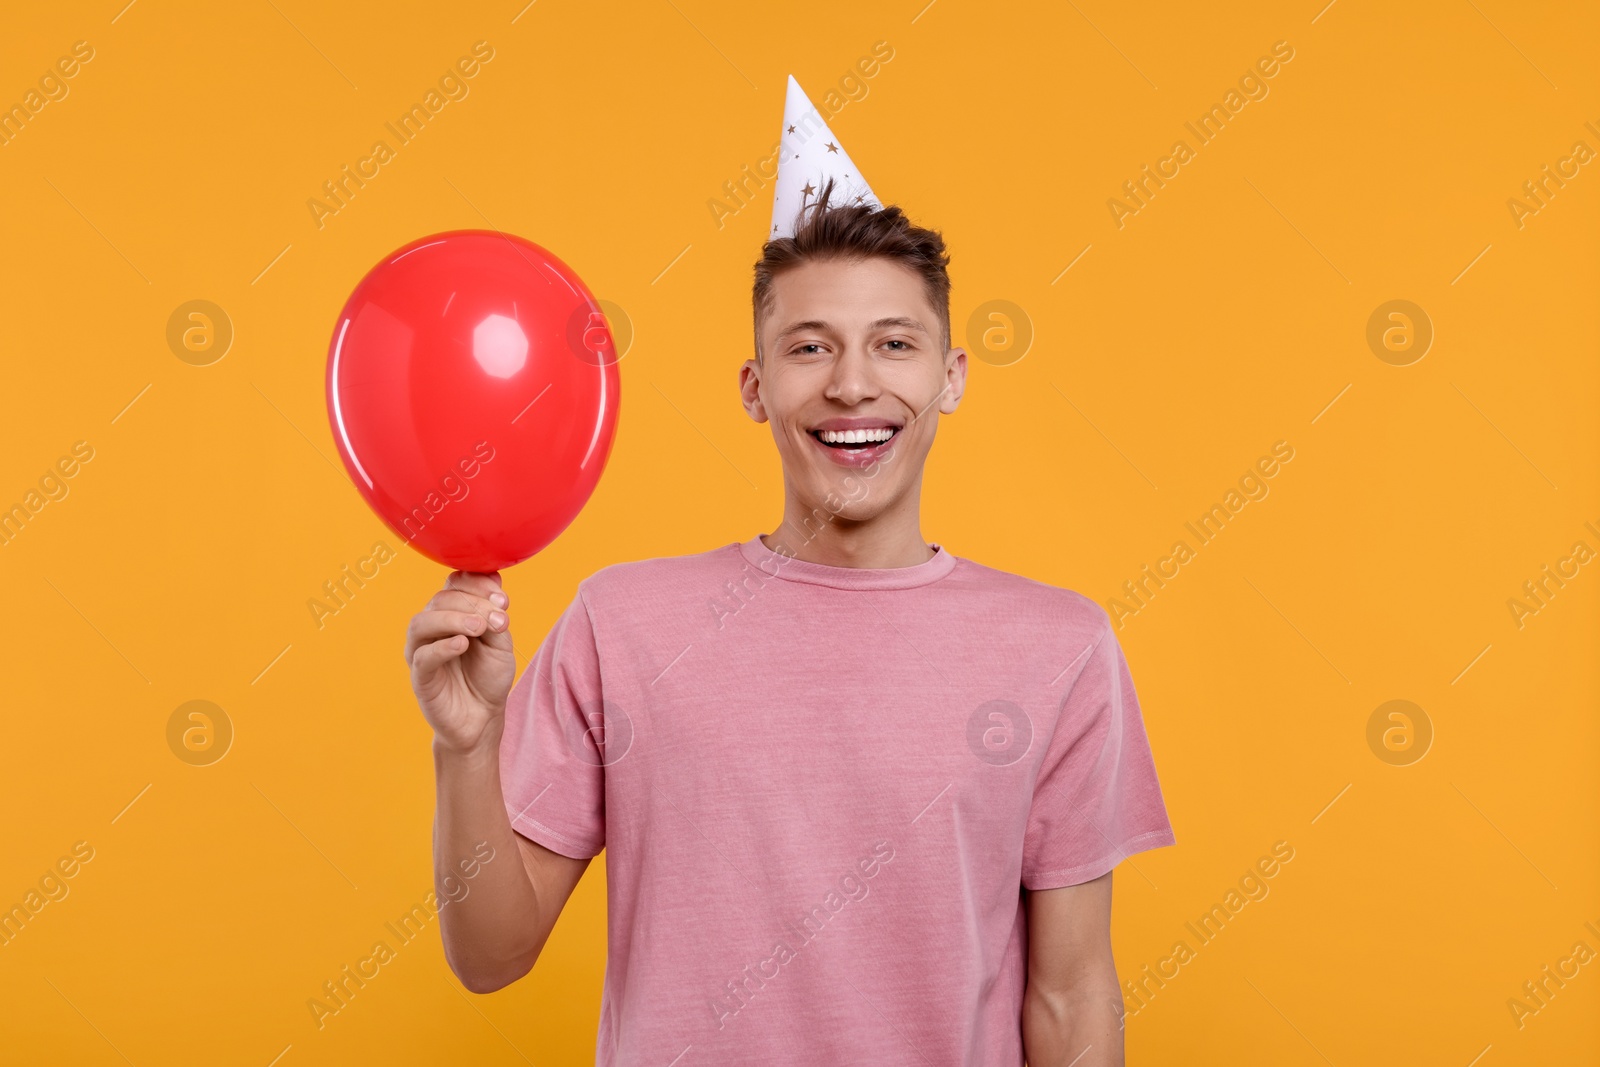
498 638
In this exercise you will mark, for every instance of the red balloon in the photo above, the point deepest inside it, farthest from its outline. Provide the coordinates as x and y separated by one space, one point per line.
473 392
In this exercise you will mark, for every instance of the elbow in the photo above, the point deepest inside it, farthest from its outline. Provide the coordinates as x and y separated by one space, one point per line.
480 981
1045 1007
1092 1006
480 976
476 984
487 958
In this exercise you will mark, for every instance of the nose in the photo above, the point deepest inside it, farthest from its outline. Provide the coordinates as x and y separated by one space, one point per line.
851 380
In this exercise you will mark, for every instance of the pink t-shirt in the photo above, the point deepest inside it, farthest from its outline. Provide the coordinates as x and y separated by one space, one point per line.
820 791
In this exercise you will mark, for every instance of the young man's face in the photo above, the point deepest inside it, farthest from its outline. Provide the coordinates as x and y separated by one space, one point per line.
852 345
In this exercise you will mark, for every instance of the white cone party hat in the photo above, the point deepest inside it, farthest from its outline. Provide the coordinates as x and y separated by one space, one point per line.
809 155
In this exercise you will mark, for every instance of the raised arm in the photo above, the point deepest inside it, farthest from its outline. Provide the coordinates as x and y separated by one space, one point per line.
462 668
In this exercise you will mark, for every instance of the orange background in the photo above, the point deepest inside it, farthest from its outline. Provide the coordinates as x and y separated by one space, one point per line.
1229 313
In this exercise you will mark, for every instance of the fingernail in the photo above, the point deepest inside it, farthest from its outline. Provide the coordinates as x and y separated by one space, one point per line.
497 618
499 600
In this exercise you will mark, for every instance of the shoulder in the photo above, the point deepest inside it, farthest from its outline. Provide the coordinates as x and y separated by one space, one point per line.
634 581
1033 602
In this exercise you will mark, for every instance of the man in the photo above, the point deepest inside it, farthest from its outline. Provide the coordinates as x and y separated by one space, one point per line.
860 799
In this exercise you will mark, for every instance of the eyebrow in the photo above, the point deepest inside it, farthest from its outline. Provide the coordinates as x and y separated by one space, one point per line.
898 321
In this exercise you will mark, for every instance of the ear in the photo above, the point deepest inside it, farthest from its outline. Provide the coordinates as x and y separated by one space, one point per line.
750 390
955 380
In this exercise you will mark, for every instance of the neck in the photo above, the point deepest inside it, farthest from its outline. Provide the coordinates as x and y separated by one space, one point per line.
892 538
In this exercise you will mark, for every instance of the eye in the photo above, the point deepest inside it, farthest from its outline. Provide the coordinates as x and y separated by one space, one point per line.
799 348
906 347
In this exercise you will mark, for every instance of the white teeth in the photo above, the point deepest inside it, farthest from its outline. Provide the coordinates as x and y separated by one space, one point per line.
857 437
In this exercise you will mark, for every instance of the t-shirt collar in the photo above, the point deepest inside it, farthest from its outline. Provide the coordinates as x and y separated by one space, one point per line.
778 565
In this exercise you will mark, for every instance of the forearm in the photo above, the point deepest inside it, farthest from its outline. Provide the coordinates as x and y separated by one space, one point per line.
491 933
1080 1028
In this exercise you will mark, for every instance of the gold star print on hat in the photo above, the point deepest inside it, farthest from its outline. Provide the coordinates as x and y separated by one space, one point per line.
809 154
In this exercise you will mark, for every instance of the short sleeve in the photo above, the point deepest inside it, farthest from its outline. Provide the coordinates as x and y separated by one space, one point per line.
551 773
1096 800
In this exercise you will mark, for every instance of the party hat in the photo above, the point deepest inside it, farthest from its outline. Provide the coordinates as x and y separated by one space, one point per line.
809 154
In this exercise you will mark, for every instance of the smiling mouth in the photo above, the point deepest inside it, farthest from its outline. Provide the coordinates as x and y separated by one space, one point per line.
856 440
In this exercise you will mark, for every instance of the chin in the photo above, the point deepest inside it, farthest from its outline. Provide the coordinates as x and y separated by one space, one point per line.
856 499
855 511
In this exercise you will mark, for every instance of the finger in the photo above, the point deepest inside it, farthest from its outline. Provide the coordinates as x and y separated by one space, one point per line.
431 658
494 632
493 576
461 600
479 584
431 626
498 635
484 584
492 627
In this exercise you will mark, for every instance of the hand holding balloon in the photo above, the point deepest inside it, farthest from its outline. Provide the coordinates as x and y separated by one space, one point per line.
473 393
462 665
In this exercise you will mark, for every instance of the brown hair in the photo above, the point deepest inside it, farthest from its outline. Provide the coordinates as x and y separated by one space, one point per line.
851 232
